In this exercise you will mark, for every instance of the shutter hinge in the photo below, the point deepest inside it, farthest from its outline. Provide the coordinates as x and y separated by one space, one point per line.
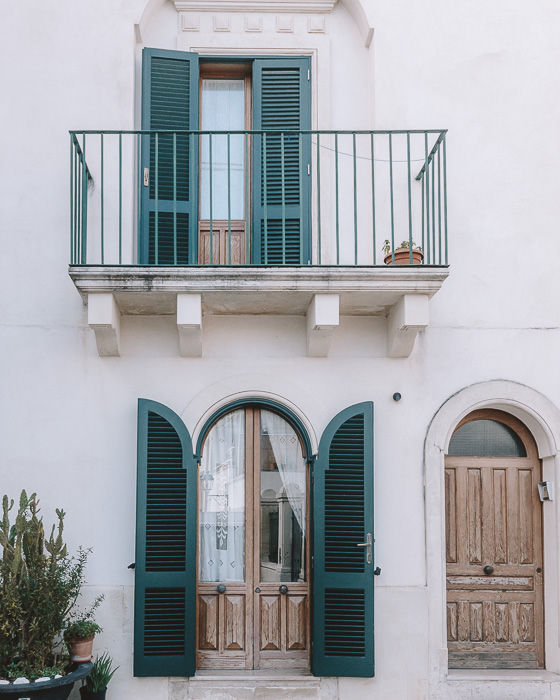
146 177
131 566
308 74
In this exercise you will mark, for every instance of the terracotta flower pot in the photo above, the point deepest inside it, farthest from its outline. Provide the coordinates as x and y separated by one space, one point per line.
402 257
81 650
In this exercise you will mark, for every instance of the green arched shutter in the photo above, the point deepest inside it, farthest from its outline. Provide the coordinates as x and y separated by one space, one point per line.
281 205
165 572
169 102
342 594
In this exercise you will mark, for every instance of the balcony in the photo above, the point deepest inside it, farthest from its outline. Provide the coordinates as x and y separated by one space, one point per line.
259 222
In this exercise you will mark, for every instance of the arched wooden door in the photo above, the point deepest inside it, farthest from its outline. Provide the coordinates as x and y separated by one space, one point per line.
493 545
253 561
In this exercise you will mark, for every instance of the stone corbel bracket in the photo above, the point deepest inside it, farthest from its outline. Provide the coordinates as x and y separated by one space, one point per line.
189 324
409 315
323 318
104 318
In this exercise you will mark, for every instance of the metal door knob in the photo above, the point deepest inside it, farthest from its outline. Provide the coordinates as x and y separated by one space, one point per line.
488 569
283 589
221 588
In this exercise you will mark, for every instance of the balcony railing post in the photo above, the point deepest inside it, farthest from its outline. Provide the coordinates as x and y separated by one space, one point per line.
355 200
319 197
174 199
72 260
445 194
283 180
84 203
373 196
229 196
391 190
156 203
210 157
427 179
120 198
409 183
336 198
102 206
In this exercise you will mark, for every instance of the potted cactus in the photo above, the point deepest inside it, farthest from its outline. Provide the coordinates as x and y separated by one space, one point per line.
39 587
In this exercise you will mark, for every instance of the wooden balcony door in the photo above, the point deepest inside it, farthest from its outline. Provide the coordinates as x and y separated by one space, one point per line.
494 545
253 590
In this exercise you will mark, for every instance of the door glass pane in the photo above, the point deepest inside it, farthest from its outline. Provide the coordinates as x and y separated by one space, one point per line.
221 498
283 488
223 109
486 438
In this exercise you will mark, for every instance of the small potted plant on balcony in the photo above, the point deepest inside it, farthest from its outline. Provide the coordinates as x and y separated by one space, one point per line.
39 586
401 254
94 687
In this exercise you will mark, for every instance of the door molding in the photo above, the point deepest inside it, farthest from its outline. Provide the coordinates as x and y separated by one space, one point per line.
542 418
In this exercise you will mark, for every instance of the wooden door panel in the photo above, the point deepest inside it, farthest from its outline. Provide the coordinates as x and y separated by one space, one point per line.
493 518
208 606
270 624
228 243
234 624
296 622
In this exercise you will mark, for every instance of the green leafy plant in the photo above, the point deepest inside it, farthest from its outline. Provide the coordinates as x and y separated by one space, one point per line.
404 245
82 625
101 674
39 586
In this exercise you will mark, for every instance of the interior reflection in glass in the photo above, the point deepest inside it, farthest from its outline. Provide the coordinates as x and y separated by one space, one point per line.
283 501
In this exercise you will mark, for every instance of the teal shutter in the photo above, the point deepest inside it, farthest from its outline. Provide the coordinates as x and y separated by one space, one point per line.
170 202
281 204
165 572
342 599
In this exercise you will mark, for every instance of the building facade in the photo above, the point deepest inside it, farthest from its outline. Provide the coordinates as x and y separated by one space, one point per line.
278 335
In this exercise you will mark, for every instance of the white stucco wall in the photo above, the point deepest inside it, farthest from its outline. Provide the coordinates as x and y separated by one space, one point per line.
488 73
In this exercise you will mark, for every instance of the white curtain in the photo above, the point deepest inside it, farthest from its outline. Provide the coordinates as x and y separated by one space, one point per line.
222 501
223 109
289 459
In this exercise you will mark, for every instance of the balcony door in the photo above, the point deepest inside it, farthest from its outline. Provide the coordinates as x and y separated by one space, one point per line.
253 562
225 199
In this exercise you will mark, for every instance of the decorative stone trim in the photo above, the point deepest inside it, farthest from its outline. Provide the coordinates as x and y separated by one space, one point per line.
307 6
222 23
253 23
284 24
190 23
104 318
316 24
323 318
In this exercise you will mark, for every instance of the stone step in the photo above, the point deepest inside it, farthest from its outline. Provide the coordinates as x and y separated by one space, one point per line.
253 685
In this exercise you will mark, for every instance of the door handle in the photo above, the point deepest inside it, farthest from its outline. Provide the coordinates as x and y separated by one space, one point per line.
221 588
283 589
367 544
488 569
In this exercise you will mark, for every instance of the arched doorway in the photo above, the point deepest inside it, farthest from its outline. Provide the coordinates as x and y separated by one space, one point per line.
253 553
493 545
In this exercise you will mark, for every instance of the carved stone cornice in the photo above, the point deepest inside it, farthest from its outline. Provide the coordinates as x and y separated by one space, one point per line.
306 6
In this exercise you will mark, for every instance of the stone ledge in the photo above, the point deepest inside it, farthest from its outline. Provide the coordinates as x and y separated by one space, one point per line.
309 6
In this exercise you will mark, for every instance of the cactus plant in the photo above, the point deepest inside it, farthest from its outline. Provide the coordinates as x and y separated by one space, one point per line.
39 585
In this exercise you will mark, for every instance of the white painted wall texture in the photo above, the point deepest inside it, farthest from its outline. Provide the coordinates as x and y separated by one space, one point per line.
486 71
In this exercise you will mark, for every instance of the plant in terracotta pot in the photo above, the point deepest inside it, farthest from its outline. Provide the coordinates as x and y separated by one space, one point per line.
401 254
39 586
94 687
79 634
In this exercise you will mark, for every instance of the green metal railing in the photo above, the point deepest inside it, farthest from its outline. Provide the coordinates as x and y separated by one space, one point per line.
179 198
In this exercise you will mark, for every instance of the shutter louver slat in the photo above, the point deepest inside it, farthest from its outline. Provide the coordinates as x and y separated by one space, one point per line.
343 516
165 586
282 102
170 102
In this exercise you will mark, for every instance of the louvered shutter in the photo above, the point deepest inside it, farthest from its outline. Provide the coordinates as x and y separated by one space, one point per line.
170 200
281 203
165 572
342 598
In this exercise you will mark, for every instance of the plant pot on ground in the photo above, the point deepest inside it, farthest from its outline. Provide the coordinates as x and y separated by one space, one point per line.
401 254
39 587
95 685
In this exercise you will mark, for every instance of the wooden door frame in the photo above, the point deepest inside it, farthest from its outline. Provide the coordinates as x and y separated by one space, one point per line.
252 411
530 460
542 418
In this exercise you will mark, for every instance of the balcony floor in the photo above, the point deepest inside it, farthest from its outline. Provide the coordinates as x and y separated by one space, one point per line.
363 291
